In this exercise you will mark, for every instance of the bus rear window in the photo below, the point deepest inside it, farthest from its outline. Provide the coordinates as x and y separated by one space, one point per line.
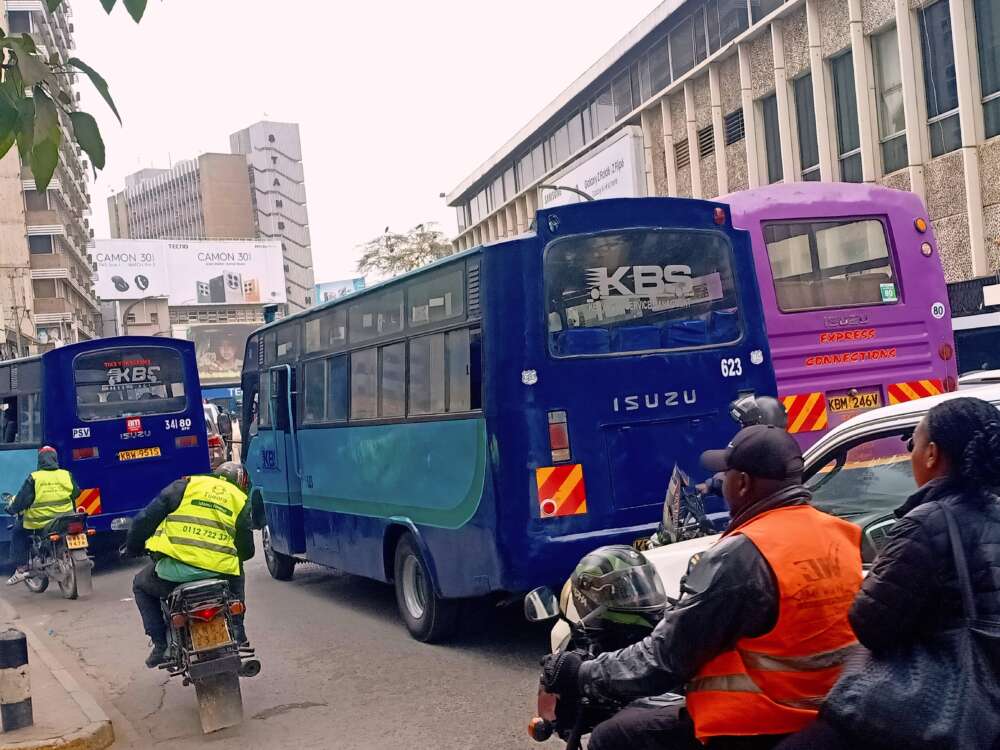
828 264
117 383
640 290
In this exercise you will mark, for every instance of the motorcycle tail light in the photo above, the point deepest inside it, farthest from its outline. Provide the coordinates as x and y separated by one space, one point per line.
54 537
237 608
91 532
206 613
74 528
178 620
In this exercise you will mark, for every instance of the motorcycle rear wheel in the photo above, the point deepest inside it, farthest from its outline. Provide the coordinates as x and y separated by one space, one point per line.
67 576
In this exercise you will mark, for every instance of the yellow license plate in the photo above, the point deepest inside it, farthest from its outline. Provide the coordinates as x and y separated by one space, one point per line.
856 402
211 634
77 541
138 453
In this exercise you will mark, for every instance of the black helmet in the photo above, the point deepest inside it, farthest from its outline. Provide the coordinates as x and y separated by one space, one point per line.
617 579
751 410
233 472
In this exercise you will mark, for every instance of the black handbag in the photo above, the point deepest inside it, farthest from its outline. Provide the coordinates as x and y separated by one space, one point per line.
939 693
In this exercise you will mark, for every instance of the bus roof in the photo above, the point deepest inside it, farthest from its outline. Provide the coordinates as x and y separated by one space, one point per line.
103 343
813 199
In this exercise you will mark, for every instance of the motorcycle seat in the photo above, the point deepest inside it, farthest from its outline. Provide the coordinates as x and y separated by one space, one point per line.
58 524
197 586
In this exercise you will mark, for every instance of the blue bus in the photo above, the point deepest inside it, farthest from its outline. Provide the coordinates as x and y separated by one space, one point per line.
478 425
125 415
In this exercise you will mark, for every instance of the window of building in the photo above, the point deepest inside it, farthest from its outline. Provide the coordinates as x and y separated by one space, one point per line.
364 384
734 127
830 264
805 120
314 403
19 21
988 42
338 389
392 381
39 244
603 112
588 128
154 318
733 19
760 8
279 203
575 129
538 160
706 141
36 201
889 99
846 110
772 138
682 47
509 183
700 43
281 225
277 182
45 288
270 139
621 92
940 84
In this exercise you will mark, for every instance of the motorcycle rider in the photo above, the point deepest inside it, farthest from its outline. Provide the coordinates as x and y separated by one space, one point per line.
45 494
760 632
196 528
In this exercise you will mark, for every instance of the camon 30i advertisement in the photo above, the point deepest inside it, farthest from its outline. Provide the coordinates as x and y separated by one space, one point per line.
219 349
191 272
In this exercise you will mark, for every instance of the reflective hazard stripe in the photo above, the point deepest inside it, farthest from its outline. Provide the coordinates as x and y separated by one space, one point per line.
808 663
725 683
175 518
806 412
913 389
50 503
221 548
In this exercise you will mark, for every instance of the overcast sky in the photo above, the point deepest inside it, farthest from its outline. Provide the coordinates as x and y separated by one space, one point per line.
397 101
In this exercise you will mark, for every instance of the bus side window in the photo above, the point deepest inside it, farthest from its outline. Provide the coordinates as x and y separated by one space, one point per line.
464 370
264 401
30 431
10 420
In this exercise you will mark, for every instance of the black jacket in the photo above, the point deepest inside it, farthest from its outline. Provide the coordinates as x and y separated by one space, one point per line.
912 589
47 461
730 594
147 520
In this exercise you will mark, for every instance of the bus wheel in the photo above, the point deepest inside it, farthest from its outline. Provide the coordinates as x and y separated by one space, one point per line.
428 617
279 565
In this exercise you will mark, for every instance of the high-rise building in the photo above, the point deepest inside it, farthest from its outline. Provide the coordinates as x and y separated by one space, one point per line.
203 198
273 152
46 284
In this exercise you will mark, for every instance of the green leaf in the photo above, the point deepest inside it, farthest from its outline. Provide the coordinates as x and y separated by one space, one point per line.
95 78
108 5
53 4
32 68
44 158
25 127
46 117
8 127
135 8
88 135
23 41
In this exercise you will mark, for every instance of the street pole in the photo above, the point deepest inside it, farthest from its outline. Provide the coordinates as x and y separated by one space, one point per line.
128 309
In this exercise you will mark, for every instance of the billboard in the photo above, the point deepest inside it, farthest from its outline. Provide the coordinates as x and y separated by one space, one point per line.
329 290
219 349
613 170
191 272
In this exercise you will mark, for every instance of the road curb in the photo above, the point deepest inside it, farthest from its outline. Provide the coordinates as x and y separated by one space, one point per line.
97 735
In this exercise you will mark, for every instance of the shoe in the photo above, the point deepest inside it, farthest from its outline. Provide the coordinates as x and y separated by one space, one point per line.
157 656
19 575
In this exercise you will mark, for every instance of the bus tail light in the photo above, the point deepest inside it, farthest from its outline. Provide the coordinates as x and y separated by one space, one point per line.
920 224
926 250
81 454
950 384
558 436
187 441
719 215
946 352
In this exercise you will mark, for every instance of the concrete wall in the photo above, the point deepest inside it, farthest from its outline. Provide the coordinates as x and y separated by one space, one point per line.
225 196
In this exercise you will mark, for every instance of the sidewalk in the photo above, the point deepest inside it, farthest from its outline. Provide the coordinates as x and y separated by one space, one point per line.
65 716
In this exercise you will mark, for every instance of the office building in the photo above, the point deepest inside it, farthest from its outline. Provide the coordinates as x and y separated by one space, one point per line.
46 288
707 97
273 152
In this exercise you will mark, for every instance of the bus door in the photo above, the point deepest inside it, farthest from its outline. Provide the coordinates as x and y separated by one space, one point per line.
653 327
282 461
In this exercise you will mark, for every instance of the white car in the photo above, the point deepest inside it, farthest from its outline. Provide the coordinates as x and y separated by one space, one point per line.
978 377
860 471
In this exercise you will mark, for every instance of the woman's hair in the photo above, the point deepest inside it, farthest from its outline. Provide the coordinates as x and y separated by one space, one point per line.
967 431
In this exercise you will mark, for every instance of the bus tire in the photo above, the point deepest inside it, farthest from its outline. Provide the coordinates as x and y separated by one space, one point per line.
428 617
280 566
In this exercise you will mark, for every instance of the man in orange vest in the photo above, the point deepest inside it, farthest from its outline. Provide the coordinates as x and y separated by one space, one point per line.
760 632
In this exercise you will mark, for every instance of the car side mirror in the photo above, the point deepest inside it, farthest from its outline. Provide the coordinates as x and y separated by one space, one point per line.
541 604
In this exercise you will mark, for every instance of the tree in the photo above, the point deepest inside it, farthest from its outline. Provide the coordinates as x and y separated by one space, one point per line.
32 122
393 253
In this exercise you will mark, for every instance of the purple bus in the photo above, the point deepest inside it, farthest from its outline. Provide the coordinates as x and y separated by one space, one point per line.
854 298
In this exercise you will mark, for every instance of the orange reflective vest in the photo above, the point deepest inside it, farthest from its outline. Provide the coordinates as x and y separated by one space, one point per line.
774 684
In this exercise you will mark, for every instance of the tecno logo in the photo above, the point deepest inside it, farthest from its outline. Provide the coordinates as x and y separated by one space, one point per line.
646 281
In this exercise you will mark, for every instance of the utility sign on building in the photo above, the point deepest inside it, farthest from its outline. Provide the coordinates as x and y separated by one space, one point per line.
613 170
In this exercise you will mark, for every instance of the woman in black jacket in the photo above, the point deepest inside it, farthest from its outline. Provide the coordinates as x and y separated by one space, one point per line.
912 589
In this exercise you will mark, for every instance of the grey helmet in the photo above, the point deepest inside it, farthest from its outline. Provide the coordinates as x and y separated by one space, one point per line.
751 410
234 473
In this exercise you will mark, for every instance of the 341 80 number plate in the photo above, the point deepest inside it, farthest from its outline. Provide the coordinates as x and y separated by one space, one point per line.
856 401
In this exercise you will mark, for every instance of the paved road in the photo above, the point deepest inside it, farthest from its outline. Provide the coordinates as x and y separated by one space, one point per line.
340 671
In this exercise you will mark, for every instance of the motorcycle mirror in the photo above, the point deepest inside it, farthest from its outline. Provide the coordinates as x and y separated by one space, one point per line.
541 604
6 497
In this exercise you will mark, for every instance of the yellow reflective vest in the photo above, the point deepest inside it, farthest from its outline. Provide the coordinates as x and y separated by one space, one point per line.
202 531
53 497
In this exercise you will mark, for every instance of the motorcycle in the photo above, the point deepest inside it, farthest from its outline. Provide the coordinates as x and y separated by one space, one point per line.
202 649
59 552
590 636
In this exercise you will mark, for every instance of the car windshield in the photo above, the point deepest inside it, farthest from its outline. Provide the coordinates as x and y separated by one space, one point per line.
869 477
